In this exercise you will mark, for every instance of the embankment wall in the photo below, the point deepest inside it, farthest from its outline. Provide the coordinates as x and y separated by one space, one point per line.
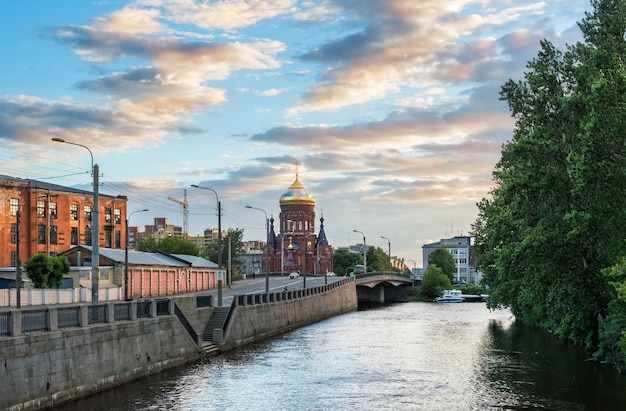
253 323
45 369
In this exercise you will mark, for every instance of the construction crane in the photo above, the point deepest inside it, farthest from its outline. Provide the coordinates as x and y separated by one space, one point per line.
185 211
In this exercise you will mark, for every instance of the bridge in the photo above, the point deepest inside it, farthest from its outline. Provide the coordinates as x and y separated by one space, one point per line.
381 287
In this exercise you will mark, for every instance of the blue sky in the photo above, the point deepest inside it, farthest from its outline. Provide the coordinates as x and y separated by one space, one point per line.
390 106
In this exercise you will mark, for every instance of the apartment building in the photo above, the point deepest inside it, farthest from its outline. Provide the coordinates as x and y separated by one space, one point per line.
52 218
459 247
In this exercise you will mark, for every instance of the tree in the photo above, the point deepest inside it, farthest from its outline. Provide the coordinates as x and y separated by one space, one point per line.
46 272
555 216
434 282
172 245
444 260
237 249
344 260
377 259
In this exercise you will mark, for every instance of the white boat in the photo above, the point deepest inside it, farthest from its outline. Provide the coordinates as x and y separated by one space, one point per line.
450 296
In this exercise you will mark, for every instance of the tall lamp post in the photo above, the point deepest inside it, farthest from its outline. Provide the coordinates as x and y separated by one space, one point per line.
267 245
364 250
126 278
95 226
219 243
388 243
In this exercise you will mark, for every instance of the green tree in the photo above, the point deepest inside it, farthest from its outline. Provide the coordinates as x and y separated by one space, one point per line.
172 245
235 237
147 244
46 272
344 261
612 330
434 282
554 219
377 259
444 260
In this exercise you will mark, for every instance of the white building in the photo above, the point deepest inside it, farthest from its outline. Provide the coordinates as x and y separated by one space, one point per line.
459 247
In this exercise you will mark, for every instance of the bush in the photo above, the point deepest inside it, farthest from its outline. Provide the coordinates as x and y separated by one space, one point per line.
434 282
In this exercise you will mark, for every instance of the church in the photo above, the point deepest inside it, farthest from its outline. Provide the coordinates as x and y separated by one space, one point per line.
297 248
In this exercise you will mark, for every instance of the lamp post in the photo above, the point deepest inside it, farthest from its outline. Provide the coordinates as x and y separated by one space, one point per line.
389 243
219 242
48 216
364 250
18 263
126 278
267 245
95 226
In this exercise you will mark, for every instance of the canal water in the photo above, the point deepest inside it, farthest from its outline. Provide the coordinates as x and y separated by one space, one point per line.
410 356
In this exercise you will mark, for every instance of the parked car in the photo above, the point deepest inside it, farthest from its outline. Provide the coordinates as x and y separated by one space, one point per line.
330 274
293 275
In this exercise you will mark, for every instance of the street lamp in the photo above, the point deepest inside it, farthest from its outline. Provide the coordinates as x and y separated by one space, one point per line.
126 278
267 245
219 243
364 250
95 235
389 243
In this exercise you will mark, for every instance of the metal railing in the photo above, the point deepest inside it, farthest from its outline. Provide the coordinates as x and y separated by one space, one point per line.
27 320
68 317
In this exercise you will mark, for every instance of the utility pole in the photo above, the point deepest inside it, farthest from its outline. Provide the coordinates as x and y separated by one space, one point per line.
18 265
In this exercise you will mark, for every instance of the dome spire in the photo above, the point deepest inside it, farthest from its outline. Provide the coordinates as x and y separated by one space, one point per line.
297 192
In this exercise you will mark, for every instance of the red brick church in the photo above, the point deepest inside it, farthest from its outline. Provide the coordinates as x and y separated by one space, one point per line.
297 245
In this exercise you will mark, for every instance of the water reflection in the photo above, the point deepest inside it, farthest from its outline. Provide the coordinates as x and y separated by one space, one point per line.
413 356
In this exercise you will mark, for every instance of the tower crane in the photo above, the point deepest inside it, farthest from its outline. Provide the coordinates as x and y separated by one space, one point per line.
185 211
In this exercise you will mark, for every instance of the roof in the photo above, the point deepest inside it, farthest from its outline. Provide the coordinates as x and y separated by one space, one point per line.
145 258
41 185
196 261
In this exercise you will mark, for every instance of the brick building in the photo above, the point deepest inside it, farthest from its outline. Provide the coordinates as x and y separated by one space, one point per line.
54 218
297 247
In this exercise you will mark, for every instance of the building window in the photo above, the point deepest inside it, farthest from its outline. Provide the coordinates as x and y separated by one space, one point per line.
13 258
41 234
87 213
74 235
74 212
107 238
118 239
53 211
13 233
88 235
54 236
41 209
107 215
462 260
15 205
118 216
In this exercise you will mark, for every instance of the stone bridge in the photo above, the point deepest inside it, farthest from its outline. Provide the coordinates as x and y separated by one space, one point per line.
381 287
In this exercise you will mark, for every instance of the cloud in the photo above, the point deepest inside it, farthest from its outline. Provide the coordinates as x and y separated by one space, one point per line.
412 44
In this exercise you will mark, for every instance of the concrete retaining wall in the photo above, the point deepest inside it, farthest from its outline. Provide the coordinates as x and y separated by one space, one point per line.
252 323
45 369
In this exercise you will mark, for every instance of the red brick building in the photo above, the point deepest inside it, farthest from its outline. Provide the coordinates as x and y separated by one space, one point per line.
53 218
297 247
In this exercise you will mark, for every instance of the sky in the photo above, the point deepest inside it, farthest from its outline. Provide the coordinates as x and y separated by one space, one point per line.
390 107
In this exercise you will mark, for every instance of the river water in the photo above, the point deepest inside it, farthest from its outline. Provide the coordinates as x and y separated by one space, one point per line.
410 356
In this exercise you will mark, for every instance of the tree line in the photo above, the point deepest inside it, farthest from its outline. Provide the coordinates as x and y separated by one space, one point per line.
550 239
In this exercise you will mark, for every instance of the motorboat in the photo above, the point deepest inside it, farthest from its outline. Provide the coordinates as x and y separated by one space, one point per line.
450 296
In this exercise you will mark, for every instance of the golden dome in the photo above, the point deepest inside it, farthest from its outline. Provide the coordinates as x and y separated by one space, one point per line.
297 194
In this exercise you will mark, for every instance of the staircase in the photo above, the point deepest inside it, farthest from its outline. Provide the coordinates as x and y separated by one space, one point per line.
217 320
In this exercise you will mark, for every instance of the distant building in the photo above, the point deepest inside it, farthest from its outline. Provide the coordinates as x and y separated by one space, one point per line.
459 247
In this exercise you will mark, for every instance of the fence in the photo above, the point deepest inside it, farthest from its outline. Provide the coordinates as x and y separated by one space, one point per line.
37 296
